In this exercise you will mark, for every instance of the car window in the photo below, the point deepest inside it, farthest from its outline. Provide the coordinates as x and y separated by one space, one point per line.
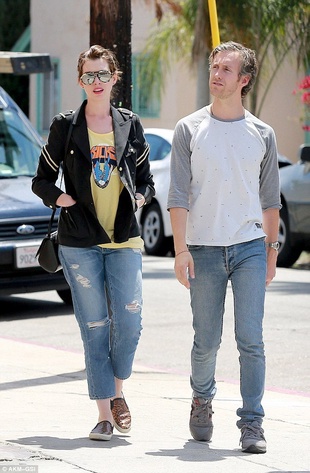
19 150
159 147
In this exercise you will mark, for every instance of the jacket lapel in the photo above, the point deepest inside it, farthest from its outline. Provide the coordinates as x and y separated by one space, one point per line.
79 131
121 132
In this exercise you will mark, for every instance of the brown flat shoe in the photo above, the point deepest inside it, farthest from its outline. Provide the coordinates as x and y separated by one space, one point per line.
102 431
121 415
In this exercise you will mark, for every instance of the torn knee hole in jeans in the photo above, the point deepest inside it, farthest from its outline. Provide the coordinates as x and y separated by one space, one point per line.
133 307
97 323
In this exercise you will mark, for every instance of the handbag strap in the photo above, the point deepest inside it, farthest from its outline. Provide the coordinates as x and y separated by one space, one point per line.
49 230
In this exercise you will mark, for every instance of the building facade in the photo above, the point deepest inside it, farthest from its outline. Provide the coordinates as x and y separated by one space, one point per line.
61 28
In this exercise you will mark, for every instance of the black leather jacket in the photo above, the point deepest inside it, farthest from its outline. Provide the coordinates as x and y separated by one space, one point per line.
78 224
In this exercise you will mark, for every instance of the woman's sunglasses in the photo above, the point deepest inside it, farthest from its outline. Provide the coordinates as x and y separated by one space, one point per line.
89 77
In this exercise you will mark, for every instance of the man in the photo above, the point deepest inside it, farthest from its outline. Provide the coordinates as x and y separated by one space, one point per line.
224 203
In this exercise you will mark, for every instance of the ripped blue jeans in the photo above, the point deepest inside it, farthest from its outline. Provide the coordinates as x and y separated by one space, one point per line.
106 287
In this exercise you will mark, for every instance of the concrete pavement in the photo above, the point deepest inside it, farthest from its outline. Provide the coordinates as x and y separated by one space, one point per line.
46 416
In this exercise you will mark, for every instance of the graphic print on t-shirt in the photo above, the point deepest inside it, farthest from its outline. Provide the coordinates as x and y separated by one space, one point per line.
103 163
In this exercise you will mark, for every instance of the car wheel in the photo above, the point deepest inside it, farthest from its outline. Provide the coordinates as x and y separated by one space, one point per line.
288 254
155 242
65 295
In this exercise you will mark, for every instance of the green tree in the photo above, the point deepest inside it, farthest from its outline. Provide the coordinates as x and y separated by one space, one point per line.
273 28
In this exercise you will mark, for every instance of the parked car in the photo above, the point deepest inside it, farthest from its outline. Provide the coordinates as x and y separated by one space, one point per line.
294 232
154 218
294 228
23 217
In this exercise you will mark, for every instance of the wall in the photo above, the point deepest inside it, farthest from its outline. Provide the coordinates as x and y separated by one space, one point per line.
64 33
283 110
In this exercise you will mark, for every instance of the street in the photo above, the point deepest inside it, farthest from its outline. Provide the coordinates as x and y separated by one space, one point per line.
166 340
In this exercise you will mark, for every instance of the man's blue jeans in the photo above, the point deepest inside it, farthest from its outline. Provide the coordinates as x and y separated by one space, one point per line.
245 265
106 286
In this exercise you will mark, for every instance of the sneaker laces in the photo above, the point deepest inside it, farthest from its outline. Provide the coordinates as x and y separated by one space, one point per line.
202 412
253 430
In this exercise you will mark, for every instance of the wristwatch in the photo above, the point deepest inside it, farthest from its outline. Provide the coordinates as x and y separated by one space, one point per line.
275 245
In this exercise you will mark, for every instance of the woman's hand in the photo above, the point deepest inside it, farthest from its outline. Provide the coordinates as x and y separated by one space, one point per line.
65 200
140 200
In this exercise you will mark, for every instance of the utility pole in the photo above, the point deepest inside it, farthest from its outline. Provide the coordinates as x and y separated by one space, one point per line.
110 26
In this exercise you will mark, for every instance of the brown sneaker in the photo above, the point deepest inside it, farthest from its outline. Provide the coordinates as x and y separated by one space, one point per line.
121 415
102 431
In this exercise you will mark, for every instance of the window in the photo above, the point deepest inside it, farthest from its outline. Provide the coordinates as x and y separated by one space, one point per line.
145 100
19 147
159 147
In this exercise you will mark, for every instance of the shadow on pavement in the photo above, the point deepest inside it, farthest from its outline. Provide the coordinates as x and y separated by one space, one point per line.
57 443
14 308
198 452
42 381
289 287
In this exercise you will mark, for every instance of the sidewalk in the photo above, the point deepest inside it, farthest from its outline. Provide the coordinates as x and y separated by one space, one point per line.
46 416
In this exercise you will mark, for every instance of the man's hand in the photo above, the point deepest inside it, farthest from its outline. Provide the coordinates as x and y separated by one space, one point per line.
271 228
184 267
271 265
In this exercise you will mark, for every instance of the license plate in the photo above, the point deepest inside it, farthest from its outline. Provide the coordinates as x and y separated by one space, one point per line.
25 256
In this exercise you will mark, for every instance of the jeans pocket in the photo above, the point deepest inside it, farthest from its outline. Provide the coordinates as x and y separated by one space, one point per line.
195 247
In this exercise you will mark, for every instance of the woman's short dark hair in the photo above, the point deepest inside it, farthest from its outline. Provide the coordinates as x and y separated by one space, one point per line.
248 67
98 52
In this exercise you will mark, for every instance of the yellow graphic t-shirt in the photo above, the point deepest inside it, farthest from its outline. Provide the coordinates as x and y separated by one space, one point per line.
106 186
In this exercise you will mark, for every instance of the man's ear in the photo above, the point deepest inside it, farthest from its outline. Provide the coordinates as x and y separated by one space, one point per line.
245 80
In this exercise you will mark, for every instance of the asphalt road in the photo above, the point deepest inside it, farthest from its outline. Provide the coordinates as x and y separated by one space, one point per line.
166 340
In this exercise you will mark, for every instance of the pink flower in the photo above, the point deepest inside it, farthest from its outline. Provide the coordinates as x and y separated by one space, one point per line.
303 90
306 98
305 83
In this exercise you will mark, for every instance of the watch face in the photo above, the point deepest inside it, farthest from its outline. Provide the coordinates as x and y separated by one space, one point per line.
275 245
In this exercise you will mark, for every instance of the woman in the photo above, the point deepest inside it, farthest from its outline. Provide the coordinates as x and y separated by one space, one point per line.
107 178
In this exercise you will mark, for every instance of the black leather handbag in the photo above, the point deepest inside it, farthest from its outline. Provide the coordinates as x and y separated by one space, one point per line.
47 253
